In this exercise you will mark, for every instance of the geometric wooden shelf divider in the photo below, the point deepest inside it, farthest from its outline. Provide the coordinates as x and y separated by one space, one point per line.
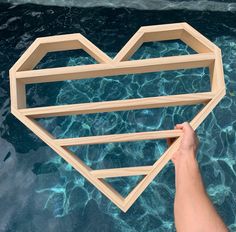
22 73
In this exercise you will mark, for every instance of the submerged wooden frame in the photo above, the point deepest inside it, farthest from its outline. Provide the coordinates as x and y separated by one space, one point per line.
22 73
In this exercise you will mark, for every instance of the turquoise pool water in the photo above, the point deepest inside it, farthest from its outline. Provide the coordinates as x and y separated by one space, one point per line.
39 191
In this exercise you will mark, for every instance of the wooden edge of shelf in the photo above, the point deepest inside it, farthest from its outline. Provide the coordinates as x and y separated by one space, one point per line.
121 172
111 69
118 105
115 138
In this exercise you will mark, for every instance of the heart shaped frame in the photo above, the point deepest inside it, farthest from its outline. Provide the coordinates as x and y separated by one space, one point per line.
22 73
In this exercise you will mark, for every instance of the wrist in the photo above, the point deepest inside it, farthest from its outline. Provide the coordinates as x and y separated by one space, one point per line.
186 157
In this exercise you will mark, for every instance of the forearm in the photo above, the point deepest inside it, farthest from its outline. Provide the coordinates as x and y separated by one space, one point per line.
193 210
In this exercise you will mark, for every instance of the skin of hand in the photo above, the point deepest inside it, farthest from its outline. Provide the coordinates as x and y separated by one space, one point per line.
188 145
193 210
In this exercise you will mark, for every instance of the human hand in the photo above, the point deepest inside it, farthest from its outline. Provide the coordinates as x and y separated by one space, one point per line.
188 145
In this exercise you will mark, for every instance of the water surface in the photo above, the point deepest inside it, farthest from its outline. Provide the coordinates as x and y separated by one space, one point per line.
39 191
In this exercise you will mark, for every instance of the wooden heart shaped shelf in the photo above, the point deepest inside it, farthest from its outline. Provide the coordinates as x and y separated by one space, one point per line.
22 73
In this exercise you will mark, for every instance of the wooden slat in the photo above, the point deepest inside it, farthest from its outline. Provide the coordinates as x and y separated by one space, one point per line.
118 105
93 50
219 70
163 36
121 172
58 38
115 138
213 77
111 69
161 28
130 47
198 119
195 40
17 89
30 57
162 32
